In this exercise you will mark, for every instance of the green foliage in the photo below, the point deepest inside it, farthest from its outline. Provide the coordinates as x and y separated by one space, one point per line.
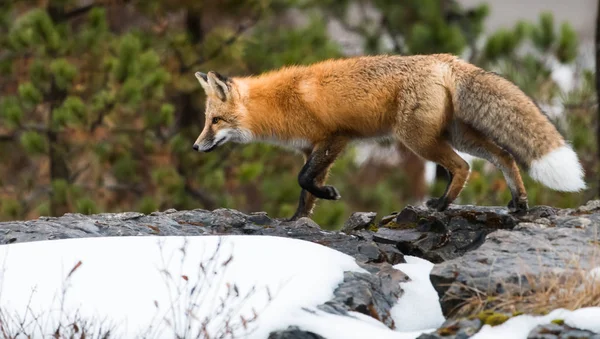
127 108
544 35
30 96
248 172
124 168
64 72
60 191
127 65
131 92
86 206
566 51
33 143
10 208
147 205
34 29
167 112
39 75
10 111
305 45
502 44
72 111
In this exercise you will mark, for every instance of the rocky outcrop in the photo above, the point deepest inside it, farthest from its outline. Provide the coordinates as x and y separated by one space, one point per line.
560 241
371 294
442 236
194 223
559 331
487 249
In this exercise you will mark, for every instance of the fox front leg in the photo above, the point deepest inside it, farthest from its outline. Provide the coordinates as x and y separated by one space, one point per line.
313 175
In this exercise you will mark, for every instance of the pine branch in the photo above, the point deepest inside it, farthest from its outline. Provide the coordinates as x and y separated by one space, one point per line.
100 118
80 11
203 59
58 14
8 137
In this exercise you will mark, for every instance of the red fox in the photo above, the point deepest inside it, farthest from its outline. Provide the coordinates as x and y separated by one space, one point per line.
433 104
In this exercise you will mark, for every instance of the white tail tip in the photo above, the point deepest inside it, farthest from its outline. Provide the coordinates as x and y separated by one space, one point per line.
559 170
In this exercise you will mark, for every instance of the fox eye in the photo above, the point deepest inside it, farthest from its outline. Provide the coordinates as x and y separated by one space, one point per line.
216 119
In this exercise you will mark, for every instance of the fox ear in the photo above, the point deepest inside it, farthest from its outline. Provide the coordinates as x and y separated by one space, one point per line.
219 84
202 78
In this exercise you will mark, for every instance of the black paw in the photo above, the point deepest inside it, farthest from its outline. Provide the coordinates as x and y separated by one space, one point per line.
438 204
518 205
331 193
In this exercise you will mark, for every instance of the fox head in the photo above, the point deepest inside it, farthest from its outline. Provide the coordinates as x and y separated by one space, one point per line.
223 113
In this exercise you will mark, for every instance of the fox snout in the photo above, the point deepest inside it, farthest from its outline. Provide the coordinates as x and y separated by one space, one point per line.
205 148
206 144
210 141
205 141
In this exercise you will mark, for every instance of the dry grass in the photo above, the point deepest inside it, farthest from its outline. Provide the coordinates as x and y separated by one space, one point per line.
570 287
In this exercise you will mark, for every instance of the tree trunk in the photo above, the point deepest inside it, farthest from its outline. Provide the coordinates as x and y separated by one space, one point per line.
56 151
597 38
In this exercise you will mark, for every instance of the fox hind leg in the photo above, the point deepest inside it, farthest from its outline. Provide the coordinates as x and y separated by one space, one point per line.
440 152
466 139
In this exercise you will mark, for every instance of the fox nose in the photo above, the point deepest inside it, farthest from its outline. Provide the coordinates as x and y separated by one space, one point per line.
196 147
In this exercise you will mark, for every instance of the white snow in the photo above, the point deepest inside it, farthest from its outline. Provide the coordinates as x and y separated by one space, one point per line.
564 76
330 325
520 326
419 298
120 280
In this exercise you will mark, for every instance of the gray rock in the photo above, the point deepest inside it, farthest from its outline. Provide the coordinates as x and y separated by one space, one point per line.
194 223
455 329
507 257
441 236
306 222
371 294
560 331
580 222
590 206
359 221
294 332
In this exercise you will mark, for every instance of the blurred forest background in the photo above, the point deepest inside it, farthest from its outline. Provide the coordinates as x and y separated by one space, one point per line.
99 106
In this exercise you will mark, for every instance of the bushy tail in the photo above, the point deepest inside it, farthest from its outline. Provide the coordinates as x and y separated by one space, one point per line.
559 169
499 109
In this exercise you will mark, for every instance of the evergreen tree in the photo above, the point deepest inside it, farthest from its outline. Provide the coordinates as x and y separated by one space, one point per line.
99 107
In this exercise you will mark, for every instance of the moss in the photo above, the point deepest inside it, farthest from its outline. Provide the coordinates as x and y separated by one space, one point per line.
401 226
517 313
496 319
491 298
558 321
447 331
373 228
492 318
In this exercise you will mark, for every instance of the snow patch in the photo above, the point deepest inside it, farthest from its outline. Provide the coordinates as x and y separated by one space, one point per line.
419 298
125 281
120 278
520 326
